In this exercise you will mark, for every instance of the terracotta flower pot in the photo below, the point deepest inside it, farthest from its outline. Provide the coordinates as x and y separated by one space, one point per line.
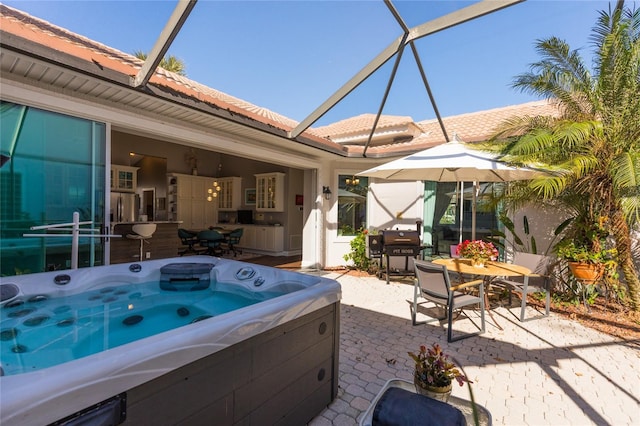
588 273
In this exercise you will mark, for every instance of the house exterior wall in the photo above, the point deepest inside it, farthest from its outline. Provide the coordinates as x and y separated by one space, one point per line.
395 205
157 131
542 224
390 205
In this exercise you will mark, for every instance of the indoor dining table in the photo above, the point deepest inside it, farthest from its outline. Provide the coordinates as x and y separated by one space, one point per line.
490 270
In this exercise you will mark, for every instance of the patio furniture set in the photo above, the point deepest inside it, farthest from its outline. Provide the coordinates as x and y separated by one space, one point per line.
398 402
527 274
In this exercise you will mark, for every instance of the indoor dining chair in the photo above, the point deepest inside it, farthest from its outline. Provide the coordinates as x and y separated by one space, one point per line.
188 240
538 281
232 241
433 284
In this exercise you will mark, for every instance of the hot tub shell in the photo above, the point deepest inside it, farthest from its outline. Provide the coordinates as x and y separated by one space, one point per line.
272 362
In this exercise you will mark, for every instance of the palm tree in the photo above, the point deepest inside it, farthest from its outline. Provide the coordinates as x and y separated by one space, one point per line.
169 63
593 145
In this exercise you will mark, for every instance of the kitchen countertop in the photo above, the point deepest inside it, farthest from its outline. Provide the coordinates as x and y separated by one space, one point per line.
239 225
148 221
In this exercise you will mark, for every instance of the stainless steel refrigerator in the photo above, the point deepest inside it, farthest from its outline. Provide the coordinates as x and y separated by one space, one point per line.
124 206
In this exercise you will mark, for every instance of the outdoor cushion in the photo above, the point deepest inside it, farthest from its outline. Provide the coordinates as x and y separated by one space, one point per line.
400 407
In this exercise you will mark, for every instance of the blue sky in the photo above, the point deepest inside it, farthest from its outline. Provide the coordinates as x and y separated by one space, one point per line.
290 56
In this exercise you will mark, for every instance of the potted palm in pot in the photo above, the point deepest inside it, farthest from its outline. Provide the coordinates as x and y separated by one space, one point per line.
434 373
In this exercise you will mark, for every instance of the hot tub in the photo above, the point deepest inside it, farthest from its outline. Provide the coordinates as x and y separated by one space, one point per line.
272 359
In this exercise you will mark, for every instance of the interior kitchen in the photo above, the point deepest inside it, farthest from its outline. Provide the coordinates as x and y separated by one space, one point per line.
159 187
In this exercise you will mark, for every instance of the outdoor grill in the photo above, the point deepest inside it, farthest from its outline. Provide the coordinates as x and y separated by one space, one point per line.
400 243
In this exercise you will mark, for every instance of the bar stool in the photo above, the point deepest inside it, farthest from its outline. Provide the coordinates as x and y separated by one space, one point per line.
142 232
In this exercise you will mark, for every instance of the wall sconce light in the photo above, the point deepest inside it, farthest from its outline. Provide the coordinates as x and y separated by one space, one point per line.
326 192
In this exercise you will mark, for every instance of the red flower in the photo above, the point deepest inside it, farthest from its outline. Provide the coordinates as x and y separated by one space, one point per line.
477 249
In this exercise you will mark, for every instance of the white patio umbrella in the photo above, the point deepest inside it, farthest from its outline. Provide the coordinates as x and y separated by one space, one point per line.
452 162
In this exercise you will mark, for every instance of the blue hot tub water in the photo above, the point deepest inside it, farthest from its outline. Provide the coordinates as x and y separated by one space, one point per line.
41 332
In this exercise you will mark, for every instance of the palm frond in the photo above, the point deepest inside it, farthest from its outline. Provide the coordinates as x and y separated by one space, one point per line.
625 170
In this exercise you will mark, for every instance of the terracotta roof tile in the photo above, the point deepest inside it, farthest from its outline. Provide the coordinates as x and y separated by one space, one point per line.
469 127
479 126
58 38
362 123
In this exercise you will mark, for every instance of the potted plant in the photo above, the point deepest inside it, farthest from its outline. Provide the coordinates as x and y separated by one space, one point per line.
192 161
478 251
434 373
587 254
586 263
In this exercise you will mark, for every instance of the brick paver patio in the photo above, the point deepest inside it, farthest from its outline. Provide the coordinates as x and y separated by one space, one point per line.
548 371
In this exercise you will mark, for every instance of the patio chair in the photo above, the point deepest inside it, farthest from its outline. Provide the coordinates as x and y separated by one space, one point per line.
188 239
212 240
538 281
433 284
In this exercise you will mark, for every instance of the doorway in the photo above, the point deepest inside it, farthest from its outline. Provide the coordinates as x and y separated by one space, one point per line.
148 203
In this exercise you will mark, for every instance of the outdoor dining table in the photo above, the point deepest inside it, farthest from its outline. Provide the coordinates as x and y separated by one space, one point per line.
490 270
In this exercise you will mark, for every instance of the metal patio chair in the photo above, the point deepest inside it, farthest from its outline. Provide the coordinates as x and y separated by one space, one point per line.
537 281
433 284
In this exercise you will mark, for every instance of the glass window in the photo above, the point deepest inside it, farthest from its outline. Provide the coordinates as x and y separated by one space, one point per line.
52 165
446 216
352 204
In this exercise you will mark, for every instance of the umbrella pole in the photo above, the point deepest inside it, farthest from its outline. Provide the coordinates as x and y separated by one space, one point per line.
461 209
473 210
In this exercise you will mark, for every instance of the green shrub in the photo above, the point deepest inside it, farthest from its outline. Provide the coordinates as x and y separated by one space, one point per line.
358 253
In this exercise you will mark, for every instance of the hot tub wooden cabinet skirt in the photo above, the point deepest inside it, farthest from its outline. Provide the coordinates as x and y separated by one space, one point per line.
285 376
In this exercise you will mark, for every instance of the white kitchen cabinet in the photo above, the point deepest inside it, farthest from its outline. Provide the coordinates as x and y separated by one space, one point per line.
270 192
124 178
230 195
274 240
188 203
262 238
248 239
260 242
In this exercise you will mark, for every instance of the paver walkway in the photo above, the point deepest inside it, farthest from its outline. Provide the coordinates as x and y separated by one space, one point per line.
548 371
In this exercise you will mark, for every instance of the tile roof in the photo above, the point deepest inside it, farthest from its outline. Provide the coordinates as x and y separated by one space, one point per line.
469 127
395 135
26 26
479 126
362 123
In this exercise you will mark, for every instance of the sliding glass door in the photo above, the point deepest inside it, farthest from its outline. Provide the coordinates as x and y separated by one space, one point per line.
51 166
